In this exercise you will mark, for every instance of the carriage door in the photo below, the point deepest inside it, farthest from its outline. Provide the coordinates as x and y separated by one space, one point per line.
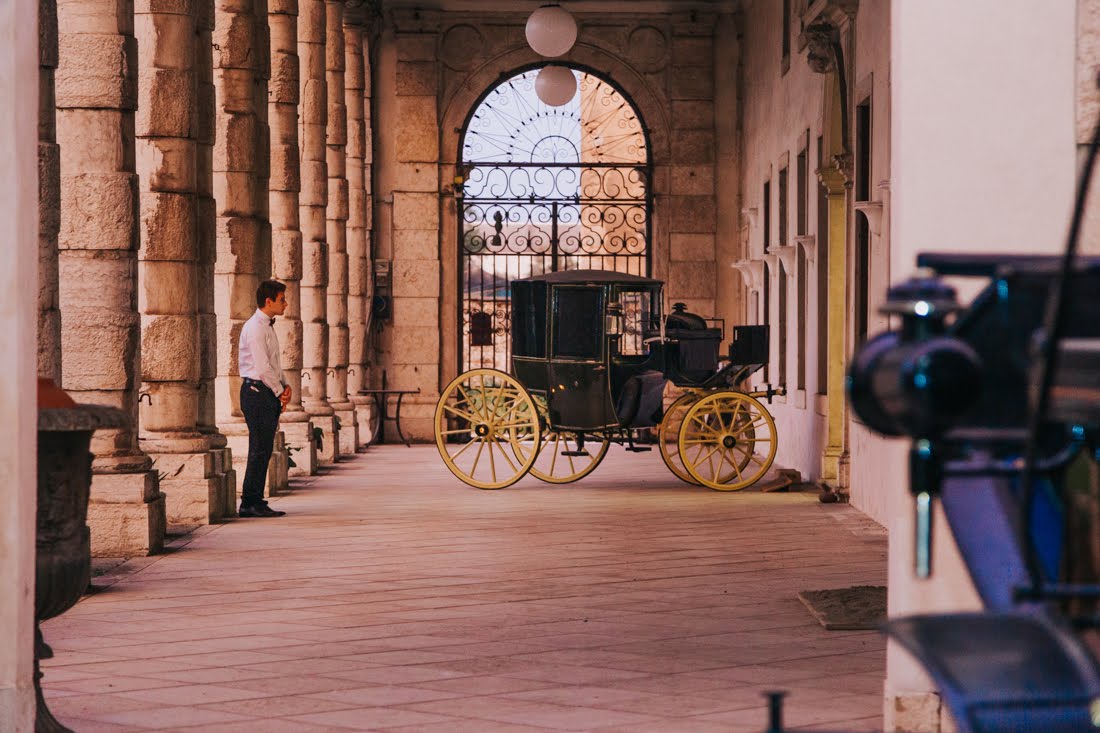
579 383
545 189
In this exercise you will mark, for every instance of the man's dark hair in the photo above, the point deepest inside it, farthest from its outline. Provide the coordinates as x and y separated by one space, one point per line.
269 289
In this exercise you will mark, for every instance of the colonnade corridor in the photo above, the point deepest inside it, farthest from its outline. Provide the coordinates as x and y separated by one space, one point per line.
392 597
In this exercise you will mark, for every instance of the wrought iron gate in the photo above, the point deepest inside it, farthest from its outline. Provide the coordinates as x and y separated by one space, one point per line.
545 189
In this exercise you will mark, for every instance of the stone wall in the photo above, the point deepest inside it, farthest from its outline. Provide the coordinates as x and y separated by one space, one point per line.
432 69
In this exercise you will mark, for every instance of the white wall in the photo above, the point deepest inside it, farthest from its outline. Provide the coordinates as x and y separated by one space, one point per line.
983 160
778 110
18 311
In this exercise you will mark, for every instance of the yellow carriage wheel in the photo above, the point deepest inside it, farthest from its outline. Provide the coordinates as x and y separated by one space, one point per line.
668 436
727 441
487 428
558 462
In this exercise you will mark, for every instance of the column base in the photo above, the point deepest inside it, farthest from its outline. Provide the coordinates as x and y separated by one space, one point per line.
917 712
278 478
193 486
349 428
364 415
328 451
237 444
227 479
126 515
300 448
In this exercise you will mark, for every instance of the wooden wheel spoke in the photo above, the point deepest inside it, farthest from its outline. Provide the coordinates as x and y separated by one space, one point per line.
469 417
462 450
737 467
506 458
477 458
456 431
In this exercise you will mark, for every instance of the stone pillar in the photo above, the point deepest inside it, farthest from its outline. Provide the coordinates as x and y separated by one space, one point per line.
336 138
412 342
313 202
18 279
286 235
357 101
240 177
96 97
206 246
167 163
49 197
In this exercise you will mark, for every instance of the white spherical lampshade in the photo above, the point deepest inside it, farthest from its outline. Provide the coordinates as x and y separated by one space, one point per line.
551 31
555 85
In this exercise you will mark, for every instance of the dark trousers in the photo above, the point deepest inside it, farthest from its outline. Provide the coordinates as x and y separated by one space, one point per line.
261 410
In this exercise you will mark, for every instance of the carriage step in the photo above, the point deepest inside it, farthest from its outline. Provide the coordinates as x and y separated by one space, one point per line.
639 448
575 453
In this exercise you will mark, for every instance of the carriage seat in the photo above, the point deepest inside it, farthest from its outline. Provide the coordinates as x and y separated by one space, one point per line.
640 402
694 346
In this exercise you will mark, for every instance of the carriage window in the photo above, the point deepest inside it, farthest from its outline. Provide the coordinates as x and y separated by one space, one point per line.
578 319
639 322
529 320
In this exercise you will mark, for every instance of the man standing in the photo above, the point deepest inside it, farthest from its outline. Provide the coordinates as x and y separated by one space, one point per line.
264 393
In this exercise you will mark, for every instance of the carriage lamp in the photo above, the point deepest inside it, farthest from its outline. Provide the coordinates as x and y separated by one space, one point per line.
551 31
917 382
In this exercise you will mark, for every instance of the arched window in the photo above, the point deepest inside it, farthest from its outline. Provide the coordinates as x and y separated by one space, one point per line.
543 189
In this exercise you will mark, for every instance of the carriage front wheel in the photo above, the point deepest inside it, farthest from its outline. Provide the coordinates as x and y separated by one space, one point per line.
487 428
668 436
727 441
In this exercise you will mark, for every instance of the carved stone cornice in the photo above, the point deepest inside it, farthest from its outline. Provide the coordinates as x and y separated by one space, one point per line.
788 255
833 178
363 13
820 41
808 243
752 273
872 211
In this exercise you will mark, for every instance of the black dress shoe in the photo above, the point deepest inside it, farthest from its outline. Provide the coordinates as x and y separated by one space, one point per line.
260 510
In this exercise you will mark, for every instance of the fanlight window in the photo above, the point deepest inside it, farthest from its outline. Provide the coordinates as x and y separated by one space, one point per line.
546 189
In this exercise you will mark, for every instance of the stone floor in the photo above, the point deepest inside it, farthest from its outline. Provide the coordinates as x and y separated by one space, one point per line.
394 598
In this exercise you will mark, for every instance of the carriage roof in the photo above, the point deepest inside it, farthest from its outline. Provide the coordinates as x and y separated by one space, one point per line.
595 277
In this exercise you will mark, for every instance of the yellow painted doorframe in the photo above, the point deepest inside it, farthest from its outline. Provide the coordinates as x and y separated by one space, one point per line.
835 452
835 176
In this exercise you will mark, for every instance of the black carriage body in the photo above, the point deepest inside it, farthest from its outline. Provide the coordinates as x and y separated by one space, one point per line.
581 340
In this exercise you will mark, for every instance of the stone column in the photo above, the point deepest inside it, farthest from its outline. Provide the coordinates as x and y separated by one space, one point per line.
206 246
336 138
313 202
167 164
240 172
49 197
18 413
412 342
357 101
286 235
101 359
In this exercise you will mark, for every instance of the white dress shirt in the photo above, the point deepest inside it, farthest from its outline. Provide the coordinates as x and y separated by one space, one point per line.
258 352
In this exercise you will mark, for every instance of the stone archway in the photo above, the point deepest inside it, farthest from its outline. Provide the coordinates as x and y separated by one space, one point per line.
459 103
545 188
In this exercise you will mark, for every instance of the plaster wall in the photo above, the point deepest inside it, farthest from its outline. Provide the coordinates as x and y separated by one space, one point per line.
954 112
784 106
18 317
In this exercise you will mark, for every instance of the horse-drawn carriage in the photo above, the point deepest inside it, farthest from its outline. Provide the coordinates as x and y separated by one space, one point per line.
591 356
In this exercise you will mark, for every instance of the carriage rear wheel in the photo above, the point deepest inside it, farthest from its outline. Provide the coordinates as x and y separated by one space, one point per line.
668 436
487 428
727 441
561 460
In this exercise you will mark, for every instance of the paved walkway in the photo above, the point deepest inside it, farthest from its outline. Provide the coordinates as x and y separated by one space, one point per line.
394 598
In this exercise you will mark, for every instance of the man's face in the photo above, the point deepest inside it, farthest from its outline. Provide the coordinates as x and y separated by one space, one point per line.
277 306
